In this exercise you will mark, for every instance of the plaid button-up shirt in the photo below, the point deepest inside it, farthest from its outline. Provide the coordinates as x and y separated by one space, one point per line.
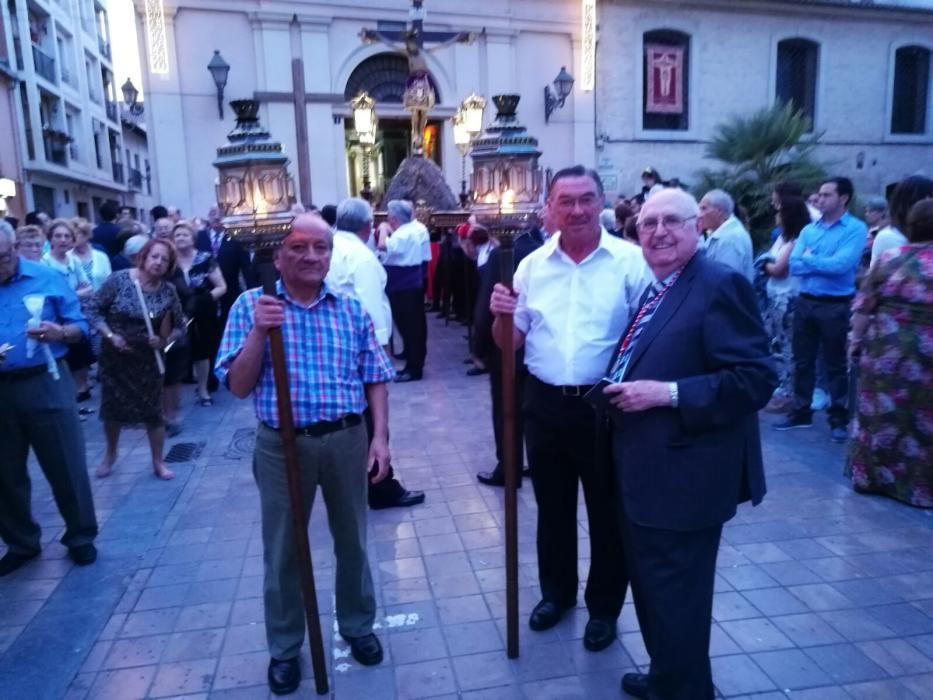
330 349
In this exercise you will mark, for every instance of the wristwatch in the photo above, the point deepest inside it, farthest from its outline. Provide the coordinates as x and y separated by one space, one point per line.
675 397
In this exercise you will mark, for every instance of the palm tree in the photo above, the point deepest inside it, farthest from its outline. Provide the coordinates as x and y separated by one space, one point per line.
757 151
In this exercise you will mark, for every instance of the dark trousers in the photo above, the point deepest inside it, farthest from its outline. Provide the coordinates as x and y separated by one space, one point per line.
495 389
40 412
408 313
672 577
389 487
821 324
564 448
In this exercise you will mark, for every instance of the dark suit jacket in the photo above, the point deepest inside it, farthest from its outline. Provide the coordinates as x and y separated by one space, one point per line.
235 266
490 274
687 468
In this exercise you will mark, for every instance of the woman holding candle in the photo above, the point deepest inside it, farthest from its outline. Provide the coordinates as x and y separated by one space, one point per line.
127 305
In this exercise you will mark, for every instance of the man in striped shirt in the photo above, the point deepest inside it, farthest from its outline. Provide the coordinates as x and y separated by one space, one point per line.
336 368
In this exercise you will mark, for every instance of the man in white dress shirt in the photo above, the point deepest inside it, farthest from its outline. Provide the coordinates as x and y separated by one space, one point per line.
356 271
575 296
729 243
407 247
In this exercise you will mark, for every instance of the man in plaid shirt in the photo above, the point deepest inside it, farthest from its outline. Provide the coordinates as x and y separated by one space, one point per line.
336 368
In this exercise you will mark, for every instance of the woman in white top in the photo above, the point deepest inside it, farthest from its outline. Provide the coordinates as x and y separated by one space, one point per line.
782 288
908 192
94 263
80 356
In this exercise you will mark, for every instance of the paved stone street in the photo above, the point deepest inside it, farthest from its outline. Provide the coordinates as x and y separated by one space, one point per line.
821 593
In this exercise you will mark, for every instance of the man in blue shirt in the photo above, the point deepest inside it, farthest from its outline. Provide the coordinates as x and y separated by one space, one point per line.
38 409
825 260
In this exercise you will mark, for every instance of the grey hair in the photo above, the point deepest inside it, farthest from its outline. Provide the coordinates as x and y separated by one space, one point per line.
401 209
607 217
877 203
134 244
721 199
353 214
8 231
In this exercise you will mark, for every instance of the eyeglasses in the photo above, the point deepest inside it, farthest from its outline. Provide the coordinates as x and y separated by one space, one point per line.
671 222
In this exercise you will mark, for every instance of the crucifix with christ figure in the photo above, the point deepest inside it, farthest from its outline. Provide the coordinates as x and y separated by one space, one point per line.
419 92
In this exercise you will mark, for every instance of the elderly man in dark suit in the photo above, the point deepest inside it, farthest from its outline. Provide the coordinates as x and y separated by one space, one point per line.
688 377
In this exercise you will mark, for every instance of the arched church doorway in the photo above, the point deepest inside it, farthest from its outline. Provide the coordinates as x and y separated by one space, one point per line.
384 76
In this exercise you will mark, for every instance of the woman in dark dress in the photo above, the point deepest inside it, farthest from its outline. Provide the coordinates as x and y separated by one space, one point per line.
205 285
131 383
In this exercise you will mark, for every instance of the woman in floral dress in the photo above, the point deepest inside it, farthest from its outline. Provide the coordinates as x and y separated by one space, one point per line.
892 331
131 384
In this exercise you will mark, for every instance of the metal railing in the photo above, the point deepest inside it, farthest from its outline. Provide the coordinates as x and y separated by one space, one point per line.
118 172
135 180
45 64
55 151
111 110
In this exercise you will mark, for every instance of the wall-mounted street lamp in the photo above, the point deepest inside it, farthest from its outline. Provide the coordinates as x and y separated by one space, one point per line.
364 124
131 98
219 69
563 85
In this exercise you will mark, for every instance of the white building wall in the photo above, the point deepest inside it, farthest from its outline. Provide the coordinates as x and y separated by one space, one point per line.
525 45
733 61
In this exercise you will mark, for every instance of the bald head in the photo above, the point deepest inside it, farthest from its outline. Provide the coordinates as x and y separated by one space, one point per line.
668 231
311 224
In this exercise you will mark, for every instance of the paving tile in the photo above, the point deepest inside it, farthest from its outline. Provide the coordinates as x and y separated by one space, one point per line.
902 619
193 645
241 671
471 608
241 639
203 616
807 629
897 657
739 675
183 677
424 679
472 638
756 634
820 596
566 688
791 669
882 690
845 663
123 684
732 606
921 686
487 670
856 626
418 645
774 601
541 660
137 651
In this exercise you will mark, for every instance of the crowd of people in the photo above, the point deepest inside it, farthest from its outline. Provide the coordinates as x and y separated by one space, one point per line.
646 332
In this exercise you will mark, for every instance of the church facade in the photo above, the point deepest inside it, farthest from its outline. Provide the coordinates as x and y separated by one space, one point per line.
669 72
520 47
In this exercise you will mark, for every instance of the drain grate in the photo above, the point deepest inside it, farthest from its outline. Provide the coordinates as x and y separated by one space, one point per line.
242 444
184 452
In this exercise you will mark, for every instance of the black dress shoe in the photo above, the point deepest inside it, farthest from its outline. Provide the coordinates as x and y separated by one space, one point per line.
12 561
545 615
494 478
83 554
403 377
284 676
635 684
599 634
366 649
476 371
402 499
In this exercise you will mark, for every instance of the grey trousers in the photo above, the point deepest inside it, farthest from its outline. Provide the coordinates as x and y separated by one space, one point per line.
40 412
337 463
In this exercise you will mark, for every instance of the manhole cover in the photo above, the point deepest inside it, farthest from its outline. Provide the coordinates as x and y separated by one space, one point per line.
184 452
242 444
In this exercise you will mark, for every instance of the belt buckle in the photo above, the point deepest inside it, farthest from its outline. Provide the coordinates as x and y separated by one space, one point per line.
571 391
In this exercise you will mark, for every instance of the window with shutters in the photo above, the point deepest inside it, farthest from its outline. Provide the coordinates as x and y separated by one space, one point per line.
797 66
911 93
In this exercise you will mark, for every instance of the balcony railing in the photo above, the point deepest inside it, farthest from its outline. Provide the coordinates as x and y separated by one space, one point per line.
104 47
55 151
118 172
45 64
135 180
111 110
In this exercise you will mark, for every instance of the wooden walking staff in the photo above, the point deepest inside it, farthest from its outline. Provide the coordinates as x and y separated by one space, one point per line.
256 193
160 363
506 267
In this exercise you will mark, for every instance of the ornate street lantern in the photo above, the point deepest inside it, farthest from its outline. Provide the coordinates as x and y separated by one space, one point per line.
563 84
462 138
364 123
219 69
473 108
130 93
254 188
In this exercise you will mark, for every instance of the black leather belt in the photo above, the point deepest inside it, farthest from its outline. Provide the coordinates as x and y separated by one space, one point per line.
828 299
574 390
325 427
24 373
